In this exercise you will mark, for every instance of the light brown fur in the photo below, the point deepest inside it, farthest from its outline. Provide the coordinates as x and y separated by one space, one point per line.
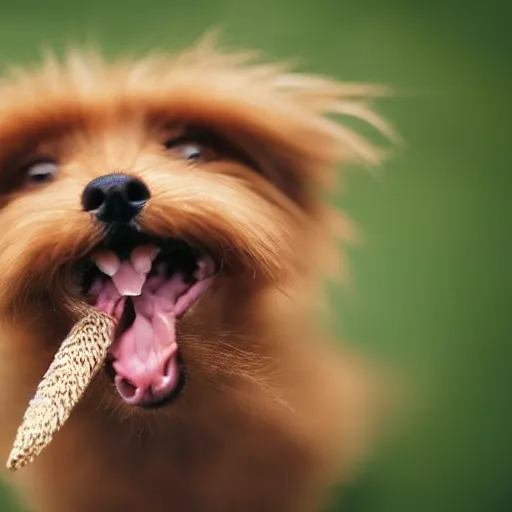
273 414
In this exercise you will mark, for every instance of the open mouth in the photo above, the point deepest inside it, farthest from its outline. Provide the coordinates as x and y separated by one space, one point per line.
147 284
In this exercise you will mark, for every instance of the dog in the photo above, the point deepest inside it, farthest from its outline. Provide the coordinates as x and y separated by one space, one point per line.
185 195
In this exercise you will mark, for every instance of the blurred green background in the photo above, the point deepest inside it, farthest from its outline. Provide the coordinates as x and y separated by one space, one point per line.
430 289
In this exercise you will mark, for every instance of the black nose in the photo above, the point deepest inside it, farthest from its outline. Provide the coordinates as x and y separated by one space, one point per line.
115 198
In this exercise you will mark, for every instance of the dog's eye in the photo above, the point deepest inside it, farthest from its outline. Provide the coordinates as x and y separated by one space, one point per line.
189 150
41 172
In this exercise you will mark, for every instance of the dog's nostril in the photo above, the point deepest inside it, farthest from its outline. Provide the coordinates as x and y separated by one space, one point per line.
115 198
137 192
92 199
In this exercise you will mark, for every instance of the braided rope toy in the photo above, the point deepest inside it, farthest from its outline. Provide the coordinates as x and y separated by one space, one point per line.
77 361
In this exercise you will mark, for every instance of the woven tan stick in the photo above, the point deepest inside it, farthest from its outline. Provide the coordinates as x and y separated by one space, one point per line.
78 359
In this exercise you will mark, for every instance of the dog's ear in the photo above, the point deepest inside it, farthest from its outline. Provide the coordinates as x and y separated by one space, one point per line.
314 140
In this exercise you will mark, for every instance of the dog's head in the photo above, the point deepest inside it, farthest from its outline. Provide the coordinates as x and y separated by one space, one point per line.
176 194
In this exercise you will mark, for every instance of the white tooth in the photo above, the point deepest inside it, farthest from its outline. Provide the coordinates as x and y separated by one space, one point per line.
142 258
132 293
128 281
107 262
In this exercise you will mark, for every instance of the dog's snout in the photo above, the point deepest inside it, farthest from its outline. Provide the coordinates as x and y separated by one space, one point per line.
115 198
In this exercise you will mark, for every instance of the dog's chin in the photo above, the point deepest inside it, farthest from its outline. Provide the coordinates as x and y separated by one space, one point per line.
147 284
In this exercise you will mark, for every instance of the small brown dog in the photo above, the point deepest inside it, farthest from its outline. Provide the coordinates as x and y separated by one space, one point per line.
185 197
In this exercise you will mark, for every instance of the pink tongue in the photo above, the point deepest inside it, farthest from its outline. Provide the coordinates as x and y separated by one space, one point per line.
145 355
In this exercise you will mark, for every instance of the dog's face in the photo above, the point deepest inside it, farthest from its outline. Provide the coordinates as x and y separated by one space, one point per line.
175 195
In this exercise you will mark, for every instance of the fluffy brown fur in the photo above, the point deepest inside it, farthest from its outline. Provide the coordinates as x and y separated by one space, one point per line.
272 413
